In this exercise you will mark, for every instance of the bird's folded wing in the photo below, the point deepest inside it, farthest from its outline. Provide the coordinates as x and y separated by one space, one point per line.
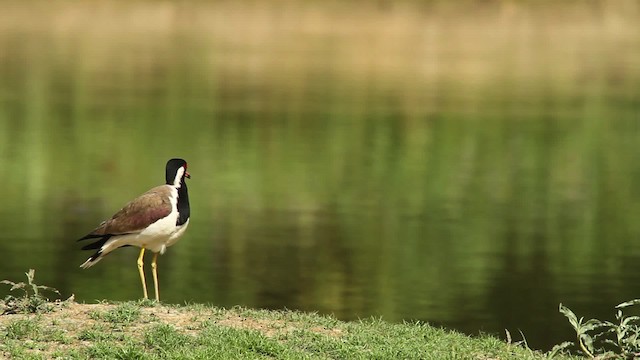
137 214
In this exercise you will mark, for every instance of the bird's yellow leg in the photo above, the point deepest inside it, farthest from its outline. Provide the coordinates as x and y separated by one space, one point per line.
154 268
141 271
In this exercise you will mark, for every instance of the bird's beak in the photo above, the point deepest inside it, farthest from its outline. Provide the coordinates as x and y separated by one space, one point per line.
187 175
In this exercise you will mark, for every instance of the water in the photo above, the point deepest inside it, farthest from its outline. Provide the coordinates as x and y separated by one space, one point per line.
472 171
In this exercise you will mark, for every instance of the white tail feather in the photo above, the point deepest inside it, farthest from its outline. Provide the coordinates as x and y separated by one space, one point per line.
90 262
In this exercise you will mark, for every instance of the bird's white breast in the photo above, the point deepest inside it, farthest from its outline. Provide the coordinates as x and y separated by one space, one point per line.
164 232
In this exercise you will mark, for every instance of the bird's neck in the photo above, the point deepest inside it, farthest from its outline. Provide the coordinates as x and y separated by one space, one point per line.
183 204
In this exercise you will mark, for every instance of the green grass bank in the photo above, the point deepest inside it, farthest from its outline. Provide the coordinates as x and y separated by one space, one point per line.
143 330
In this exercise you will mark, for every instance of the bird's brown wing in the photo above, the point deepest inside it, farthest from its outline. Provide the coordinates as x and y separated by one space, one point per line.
137 214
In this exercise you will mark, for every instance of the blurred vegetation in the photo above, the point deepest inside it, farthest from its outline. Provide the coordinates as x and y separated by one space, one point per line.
459 164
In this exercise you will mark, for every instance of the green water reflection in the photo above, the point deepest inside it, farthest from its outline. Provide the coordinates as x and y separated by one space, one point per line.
477 195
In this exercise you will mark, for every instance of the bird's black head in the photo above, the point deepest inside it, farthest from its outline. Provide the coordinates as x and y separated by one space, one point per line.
176 172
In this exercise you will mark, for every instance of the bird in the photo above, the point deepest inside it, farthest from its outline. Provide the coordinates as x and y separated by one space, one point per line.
153 221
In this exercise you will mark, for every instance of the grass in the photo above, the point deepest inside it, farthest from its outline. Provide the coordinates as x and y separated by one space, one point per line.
135 330
149 330
123 314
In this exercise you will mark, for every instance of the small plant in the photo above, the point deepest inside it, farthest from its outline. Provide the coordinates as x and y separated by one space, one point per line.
23 328
605 339
32 301
125 313
100 333
165 337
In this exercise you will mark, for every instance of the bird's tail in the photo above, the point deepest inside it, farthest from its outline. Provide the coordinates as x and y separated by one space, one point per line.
105 245
92 260
99 244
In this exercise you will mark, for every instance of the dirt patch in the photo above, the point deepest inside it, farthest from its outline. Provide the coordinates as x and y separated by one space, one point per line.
273 327
325 331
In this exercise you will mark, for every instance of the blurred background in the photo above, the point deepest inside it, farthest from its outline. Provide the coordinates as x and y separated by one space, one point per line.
471 164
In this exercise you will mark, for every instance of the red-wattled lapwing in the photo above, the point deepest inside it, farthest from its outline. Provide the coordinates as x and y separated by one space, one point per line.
153 221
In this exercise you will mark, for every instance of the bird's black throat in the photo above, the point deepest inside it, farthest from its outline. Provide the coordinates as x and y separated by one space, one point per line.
183 204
